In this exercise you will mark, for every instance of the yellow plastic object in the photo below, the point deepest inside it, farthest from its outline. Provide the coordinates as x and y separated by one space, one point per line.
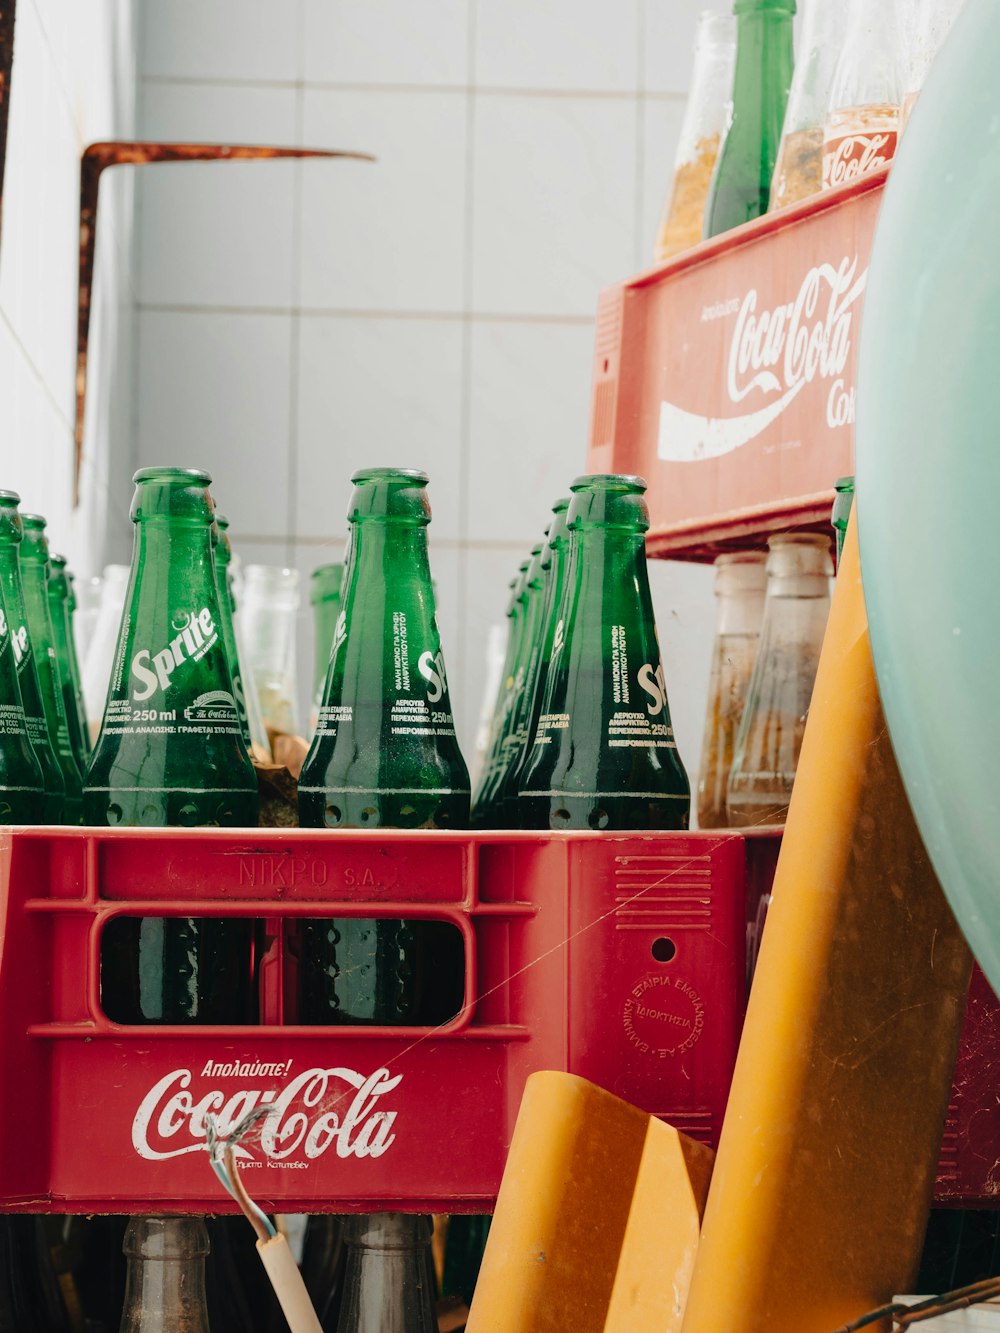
596 1225
826 1165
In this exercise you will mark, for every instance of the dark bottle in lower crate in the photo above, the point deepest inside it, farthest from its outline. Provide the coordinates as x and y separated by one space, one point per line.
388 1285
384 755
165 1287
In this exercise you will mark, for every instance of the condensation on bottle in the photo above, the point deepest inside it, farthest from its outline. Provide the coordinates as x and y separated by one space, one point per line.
770 736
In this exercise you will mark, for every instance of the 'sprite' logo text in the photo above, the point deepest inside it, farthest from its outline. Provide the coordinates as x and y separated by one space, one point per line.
195 635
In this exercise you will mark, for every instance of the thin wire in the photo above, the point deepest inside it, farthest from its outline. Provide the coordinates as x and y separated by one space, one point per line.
222 1158
903 1316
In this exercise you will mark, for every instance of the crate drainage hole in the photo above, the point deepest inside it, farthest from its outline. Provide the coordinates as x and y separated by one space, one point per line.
663 949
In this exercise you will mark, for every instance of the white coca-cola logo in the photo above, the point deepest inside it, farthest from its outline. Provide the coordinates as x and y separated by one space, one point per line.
777 351
317 1110
853 156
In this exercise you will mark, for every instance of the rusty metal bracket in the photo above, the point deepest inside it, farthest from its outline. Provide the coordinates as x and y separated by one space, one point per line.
97 157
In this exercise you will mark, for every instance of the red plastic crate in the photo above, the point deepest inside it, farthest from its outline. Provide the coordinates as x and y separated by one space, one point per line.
969 1169
560 933
726 378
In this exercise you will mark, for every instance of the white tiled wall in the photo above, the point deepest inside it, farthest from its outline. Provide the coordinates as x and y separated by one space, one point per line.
434 309
73 82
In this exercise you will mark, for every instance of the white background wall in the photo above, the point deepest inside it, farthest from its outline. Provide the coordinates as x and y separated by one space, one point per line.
434 310
73 82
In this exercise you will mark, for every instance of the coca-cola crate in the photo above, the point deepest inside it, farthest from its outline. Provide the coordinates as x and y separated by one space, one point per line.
969 1169
617 957
726 378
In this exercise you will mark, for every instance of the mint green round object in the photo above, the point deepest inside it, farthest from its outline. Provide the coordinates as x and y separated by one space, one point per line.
928 469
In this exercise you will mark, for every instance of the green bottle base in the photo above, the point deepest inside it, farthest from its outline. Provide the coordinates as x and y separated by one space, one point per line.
358 970
166 808
22 807
332 808
618 812
180 970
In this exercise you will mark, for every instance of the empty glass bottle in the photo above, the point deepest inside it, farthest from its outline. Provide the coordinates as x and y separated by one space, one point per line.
739 601
798 173
387 1285
774 720
604 754
706 120
87 593
165 1286
58 567
99 655
324 595
34 576
862 121
931 24
741 185
270 606
12 591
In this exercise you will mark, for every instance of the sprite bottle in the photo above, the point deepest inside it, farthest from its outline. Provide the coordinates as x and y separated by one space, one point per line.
384 755
553 569
222 554
11 589
501 709
63 592
170 752
22 794
324 595
603 754
35 576
490 810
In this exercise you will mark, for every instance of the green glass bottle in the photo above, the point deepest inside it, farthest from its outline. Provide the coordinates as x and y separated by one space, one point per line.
741 184
604 755
222 554
22 793
11 588
554 571
384 755
57 592
58 563
490 813
324 596
843 501
170 752
501 709
34 577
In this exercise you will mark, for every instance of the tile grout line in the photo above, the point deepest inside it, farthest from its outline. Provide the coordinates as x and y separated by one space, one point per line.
334 312
295 330
640 132
465 409
455 89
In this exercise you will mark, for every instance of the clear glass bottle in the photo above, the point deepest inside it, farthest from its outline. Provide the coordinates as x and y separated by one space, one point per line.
862 120
387 1285
165 1287
269 608
931 24
88 604
739 599
103 643
798 173
706 120
770 735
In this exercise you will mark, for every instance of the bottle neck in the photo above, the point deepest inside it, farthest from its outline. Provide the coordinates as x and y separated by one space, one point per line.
165 1284
739 611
